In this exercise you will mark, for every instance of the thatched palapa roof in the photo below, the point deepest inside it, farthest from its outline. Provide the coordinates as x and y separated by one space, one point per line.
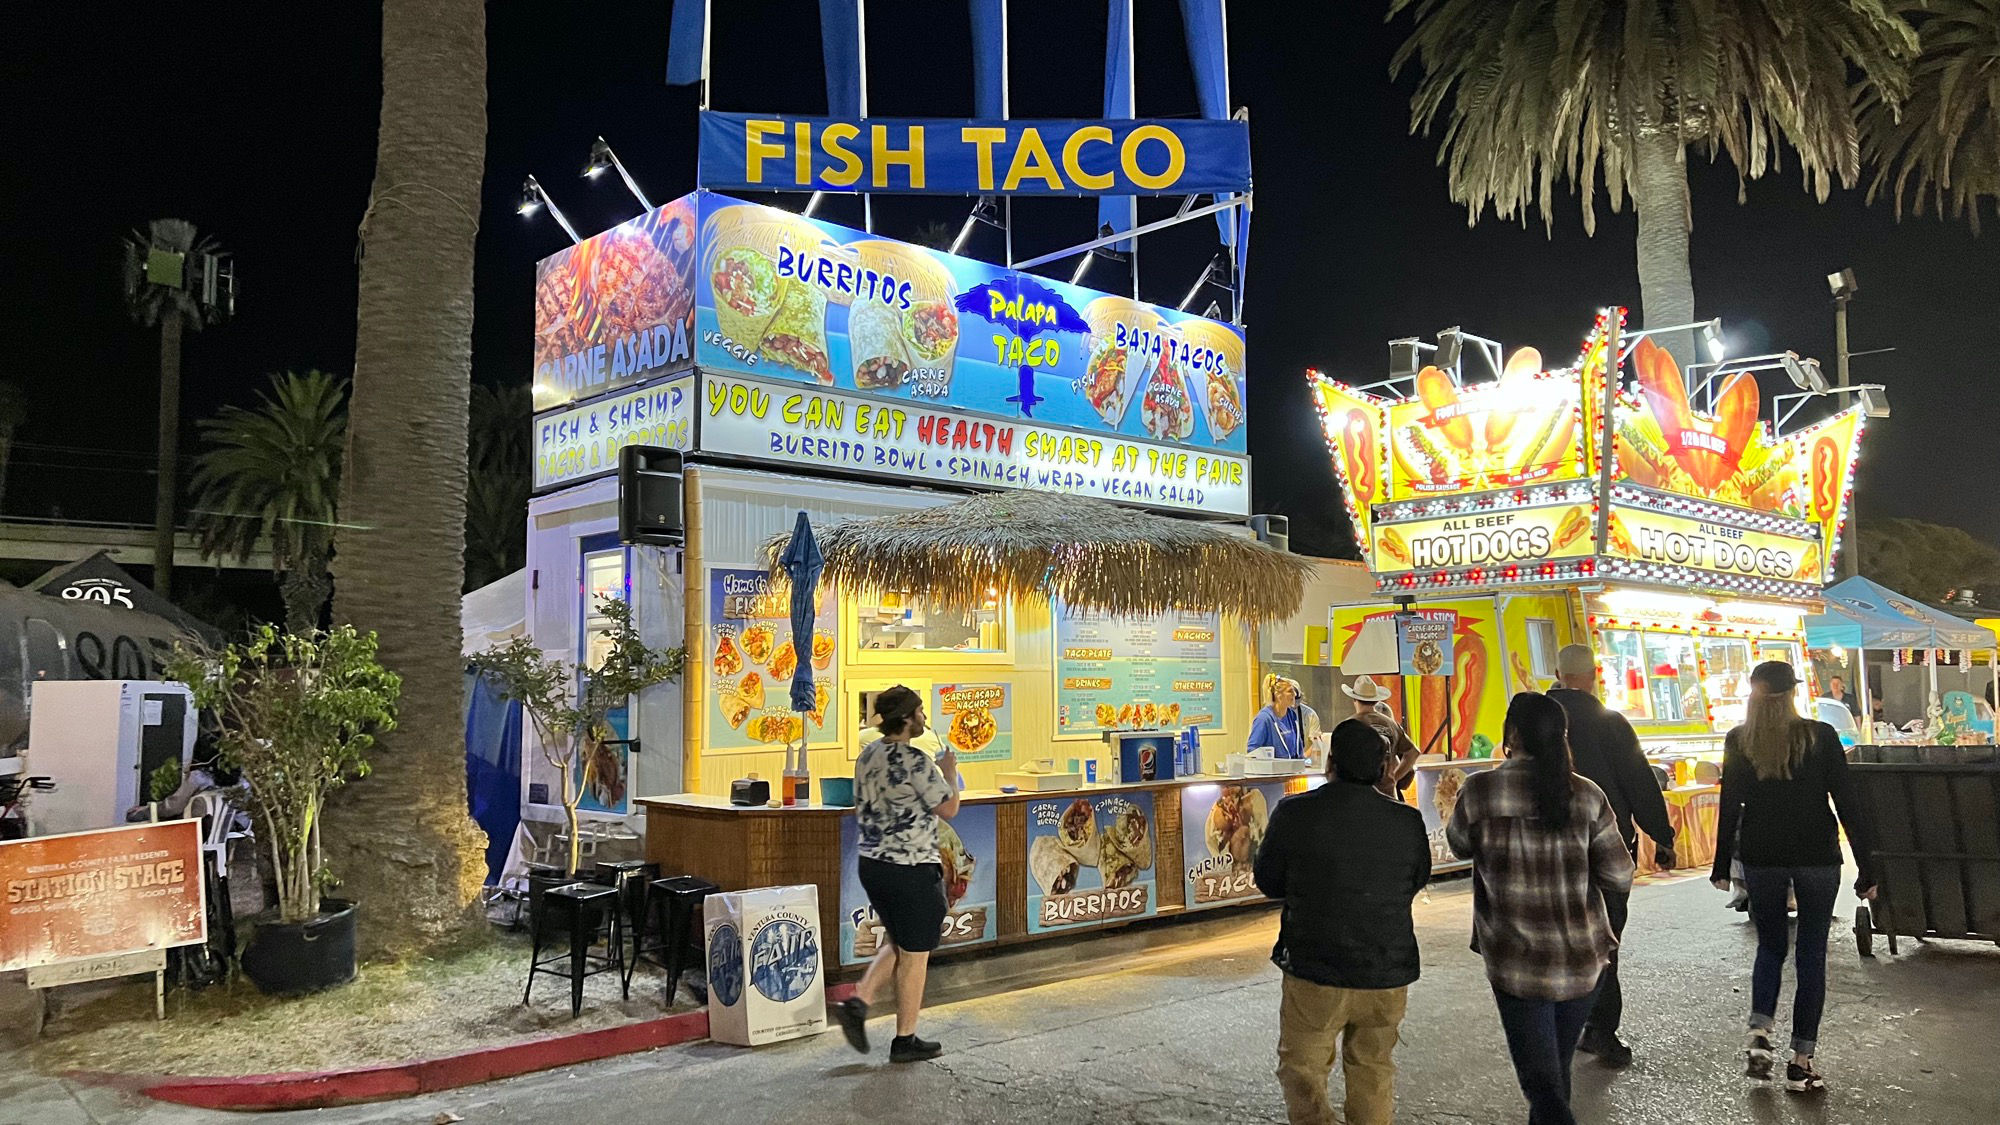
1089 553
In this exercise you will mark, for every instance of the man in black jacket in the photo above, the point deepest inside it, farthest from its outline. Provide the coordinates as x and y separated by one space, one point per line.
1606 751
1347 861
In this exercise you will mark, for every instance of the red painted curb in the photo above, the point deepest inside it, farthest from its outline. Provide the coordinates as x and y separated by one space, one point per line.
384 1081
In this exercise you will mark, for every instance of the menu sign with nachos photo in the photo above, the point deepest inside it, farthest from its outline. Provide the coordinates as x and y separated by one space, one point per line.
1090 860
975 720
1150 672
751 659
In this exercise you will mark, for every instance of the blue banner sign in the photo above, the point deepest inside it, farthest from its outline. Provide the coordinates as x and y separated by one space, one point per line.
763 152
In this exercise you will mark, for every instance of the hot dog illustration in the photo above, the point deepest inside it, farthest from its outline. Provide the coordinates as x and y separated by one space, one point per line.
1393 546
1571 527
1440 394
1469 684
1357 440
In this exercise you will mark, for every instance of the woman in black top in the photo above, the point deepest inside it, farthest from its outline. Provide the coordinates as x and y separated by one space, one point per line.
1778 772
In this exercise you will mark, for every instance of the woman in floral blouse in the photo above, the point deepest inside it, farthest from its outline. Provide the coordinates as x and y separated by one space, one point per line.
899 795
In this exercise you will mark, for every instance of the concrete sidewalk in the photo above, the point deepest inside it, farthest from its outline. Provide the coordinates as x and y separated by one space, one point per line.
1187 1033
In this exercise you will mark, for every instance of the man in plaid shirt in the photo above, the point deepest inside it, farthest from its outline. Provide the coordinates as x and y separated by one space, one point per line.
1545 846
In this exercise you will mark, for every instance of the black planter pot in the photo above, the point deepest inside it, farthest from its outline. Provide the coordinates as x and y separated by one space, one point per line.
294 958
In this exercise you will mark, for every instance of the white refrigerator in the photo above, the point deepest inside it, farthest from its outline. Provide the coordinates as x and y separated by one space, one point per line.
99 741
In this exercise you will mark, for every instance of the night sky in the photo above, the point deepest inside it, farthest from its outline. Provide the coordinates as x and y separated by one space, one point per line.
257 122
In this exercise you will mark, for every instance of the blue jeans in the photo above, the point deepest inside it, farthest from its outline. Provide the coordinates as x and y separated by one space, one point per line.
1816 888
1542 1037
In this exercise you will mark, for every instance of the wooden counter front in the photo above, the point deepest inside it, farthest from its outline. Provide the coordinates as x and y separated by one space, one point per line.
741 847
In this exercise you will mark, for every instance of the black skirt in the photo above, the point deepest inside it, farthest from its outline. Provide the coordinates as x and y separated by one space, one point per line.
908 901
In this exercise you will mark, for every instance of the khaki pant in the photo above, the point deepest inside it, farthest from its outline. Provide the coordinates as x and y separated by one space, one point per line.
1362 1024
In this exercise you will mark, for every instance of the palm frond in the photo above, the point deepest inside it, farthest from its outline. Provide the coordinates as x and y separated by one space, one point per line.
1526 96
273 471
1940 149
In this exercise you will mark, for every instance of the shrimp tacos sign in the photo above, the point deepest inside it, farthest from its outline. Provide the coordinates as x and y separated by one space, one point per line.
1222 830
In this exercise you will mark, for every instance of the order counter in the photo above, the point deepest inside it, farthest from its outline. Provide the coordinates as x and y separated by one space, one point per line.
1018 866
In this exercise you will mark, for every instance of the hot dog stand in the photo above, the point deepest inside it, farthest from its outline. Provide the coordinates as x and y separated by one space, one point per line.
803 366
1683 540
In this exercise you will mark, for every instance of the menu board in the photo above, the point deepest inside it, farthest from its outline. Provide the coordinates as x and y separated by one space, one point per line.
976 720
750 661
783 296
1090 860
1156 672
966 851
1222 830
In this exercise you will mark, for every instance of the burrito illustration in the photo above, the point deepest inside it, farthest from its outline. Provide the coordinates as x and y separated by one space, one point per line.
1053 867
875 340
1129 837
797 335
1077 832
745 283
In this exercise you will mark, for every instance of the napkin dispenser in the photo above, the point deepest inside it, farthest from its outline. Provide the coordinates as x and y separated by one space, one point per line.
749 791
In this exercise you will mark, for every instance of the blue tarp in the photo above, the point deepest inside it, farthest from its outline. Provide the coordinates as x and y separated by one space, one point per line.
492 768
1862 614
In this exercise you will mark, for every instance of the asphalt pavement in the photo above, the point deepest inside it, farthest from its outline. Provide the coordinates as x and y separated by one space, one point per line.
1152 1028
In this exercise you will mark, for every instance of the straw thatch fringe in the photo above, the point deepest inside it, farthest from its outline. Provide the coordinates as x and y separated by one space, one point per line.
1032 546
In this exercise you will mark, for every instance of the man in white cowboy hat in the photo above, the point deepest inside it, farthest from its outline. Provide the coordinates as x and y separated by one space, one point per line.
1370 706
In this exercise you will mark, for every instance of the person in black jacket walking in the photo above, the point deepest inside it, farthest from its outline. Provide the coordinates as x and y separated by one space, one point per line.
1779 773
1347 861
1605 750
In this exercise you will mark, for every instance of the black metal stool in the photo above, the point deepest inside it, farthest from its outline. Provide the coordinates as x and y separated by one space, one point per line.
673 911
581 908
630 877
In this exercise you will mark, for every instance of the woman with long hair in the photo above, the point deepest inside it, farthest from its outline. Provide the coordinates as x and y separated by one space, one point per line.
899 794
1779 771
1544 846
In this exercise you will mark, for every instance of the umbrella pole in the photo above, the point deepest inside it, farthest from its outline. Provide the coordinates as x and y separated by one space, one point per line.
1867 707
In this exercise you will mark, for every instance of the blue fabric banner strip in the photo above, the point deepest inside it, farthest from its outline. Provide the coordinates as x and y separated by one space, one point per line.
1119 212
989 58
928 156
840 45
684 37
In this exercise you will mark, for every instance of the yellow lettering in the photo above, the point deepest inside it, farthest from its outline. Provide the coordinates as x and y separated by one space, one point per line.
756 150
983 138
1089 134
802 161
794 410
1176 157
831 139
911 158
1031 157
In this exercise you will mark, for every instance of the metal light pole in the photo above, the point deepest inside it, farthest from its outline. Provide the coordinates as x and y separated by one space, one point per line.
1844 288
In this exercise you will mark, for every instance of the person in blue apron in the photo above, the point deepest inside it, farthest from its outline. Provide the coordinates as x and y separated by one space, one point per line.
1286 726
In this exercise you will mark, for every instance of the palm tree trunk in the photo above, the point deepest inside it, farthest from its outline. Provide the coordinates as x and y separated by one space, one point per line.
305 589
1666 283
401 839
170 448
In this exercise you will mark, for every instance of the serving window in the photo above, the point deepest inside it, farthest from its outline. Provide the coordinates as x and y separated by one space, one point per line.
896 627
1652 676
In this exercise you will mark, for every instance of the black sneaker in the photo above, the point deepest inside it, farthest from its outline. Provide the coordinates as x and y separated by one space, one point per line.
852 1016
1803 1078
1757 1046
1609 1049
909 1048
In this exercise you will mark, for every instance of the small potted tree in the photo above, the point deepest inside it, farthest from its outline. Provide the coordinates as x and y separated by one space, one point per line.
299 713
570 705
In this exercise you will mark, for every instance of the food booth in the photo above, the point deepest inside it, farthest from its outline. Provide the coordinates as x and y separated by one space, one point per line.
801 366
1684 545
1924 653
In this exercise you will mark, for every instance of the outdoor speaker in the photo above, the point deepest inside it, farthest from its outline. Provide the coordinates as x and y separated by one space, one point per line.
1273 531
649 496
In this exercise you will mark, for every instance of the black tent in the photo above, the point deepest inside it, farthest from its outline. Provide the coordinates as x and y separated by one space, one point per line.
99 581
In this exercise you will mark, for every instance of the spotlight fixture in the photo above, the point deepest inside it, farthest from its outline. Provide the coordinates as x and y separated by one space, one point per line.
1449 346
1403 358
1842 284
1805 374
1711 334
1874 400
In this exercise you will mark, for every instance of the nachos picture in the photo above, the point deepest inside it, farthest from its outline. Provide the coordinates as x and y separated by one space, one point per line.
972 729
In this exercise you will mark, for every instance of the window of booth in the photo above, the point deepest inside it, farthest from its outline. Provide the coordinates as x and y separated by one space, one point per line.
603 576
897 627
1728 661
1652 676
1542 648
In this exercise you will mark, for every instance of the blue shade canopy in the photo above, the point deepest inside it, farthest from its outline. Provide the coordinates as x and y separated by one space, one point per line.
1863 614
